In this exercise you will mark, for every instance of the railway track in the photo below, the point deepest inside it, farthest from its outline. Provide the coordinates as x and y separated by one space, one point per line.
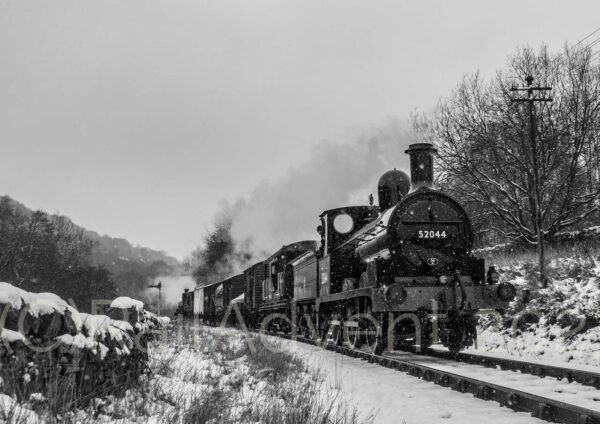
587 378
543 407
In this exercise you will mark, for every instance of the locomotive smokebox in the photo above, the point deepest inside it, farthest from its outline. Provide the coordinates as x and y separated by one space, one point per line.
421 165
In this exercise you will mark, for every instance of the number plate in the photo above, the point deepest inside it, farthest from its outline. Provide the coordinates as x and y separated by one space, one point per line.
431 234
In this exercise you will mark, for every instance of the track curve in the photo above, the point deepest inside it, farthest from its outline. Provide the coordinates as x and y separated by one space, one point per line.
544 407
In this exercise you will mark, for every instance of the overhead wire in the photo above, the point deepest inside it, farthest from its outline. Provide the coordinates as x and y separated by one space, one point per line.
578 46
593 43
579 42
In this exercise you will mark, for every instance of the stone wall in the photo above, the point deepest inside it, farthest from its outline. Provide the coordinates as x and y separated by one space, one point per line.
48 347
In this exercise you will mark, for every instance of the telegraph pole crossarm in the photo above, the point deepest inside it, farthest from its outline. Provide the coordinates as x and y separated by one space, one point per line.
537 198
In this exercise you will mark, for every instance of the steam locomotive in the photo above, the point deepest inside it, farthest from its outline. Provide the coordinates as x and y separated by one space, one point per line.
400 274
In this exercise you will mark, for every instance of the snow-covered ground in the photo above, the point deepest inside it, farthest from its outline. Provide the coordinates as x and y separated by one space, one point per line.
561 391
559 324
221 379
215 377
395 397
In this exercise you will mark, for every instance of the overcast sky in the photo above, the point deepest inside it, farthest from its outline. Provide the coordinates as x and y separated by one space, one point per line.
135 117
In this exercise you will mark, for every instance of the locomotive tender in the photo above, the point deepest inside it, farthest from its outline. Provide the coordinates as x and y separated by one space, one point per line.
398 274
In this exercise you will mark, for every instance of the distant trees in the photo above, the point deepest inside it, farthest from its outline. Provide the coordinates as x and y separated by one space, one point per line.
133 277
219 257
36 248
84 283
41 252
488 161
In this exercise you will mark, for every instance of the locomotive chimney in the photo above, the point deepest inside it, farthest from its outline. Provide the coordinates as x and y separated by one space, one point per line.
421 165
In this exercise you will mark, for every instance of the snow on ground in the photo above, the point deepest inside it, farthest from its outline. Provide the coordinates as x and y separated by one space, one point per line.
214 377
196 378
396 397
560 323
13 412
542 343
573 393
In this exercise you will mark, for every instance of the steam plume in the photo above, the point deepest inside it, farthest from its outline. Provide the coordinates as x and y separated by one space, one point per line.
286 210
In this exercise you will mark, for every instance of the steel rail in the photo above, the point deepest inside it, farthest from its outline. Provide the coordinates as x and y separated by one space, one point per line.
587 378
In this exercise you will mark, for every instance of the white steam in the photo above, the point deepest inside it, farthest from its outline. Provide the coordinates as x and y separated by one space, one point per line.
337 174
172 287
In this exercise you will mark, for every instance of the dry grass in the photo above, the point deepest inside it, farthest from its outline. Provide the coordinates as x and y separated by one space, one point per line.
202 378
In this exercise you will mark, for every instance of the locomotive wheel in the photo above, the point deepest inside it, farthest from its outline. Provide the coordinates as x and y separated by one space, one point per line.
372 336
337 334
300 330
353 335
303 329
323 331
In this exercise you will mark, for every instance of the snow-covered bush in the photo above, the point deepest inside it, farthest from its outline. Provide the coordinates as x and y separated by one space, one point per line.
50 350
558 322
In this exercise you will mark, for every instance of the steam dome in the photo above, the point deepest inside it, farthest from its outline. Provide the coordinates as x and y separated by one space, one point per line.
392 186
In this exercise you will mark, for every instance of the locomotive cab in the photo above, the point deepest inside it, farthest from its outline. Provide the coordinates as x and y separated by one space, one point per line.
337 227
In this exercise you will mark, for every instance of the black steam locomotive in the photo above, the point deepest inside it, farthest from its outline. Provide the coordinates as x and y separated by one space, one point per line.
398 274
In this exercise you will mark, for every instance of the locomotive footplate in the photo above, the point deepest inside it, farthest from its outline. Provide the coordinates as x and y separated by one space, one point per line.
350 294
398 297
448 297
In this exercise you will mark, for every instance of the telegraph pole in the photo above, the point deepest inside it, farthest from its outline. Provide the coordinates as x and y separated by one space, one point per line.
538 218
159 287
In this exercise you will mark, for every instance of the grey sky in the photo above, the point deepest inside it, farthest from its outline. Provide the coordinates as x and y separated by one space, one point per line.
135 117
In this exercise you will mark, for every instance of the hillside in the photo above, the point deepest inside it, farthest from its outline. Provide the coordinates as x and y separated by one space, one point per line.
108 249
131 267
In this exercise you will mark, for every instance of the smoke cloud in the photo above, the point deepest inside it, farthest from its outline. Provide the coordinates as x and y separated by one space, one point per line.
337 174
172 287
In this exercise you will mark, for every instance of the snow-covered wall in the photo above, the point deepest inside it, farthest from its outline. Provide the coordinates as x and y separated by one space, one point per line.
44 341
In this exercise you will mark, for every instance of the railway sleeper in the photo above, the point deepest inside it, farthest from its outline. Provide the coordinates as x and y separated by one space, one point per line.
461 385
511 401
484 392
444 380
542 412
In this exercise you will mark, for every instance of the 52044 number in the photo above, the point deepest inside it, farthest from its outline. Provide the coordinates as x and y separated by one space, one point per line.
432 234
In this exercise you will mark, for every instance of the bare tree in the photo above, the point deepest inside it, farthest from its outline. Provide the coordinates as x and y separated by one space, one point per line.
488 158
37 249
220 256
